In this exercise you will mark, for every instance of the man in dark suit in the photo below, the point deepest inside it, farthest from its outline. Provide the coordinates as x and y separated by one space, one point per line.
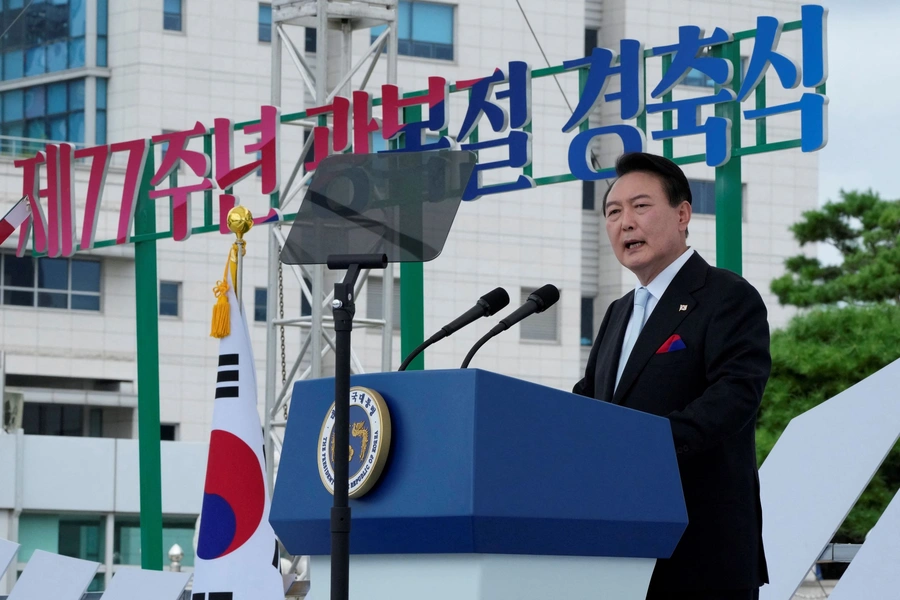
690 343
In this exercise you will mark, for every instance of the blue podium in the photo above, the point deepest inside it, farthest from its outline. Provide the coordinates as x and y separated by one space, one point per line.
494 488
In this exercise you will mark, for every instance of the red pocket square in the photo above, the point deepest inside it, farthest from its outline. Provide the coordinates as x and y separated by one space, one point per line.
672 344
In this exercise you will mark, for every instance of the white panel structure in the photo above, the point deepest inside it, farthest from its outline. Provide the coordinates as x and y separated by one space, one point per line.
53 576
817 471
137 584
7 552
7 469
64 464
488 577
872 574
183 473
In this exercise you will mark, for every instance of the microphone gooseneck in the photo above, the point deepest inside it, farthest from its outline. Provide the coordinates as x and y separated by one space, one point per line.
487 305
538 301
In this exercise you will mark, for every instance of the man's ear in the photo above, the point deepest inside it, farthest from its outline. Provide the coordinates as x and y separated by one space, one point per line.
684 215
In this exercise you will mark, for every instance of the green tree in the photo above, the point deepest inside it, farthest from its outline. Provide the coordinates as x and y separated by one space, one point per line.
852 331
866 230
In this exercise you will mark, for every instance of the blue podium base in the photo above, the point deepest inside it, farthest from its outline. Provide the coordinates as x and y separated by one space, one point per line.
486 577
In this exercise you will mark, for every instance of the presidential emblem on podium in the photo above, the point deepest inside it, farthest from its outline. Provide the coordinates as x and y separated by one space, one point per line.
370 442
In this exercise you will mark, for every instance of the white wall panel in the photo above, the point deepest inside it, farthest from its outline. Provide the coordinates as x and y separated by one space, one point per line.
53 576
67 473
818 469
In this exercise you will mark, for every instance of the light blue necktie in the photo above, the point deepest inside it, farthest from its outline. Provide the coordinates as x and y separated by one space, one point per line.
641 295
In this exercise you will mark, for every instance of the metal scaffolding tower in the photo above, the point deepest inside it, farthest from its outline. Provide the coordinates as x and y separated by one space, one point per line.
339 18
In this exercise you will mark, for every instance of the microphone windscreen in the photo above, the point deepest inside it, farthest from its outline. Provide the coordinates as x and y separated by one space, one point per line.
545 297
496 299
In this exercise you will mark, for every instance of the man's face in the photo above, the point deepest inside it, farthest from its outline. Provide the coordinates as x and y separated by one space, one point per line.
645 231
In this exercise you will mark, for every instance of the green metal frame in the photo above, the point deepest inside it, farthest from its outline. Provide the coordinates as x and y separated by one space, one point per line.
728 254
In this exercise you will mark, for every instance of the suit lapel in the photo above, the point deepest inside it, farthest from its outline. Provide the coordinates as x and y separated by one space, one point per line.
611 348
676 303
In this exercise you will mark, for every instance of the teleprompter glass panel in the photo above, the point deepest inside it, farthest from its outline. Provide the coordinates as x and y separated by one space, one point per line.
401 204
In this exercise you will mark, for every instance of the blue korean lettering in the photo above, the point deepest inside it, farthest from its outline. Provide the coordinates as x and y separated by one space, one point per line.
481 103
600 69
688 55
717 129
813 119
814 20
768 33
633 140
813 107
518 142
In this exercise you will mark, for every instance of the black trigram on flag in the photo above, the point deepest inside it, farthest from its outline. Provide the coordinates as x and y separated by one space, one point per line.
227 379
213 596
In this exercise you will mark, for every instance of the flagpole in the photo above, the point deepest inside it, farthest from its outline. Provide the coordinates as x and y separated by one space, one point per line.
239 222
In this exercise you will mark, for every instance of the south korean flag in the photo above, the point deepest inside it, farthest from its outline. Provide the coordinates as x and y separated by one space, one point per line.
237 556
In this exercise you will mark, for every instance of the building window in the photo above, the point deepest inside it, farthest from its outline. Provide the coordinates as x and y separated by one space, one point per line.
172 15
590 40
100 121
46 38
77 536
127 540
374 300
305 306
265 22
703 196
309 40
260 298
587 321
169 292
587 195
50 282
54 111
53 419
102 32
168 432
311 153
539 327
424 29
697 78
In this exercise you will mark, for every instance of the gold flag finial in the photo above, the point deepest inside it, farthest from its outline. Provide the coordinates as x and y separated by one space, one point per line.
239 221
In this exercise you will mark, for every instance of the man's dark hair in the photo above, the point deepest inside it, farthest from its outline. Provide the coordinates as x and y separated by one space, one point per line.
672 177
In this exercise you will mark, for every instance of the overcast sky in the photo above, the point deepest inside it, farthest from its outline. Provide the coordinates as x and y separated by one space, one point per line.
864 93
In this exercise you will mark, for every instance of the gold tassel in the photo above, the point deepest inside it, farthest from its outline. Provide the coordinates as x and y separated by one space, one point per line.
221 317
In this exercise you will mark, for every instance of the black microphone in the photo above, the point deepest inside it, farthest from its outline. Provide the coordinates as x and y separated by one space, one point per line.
486 306
538 301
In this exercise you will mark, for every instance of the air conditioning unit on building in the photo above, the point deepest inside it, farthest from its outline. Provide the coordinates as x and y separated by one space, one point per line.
13 408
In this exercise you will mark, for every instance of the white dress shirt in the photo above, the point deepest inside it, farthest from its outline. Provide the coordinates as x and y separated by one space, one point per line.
657 288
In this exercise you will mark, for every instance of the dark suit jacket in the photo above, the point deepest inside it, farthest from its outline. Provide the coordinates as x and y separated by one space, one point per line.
710 391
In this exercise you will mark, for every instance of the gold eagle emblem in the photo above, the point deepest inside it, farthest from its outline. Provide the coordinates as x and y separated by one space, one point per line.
358 430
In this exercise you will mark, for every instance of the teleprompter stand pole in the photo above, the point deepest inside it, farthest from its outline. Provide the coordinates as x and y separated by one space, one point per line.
343 308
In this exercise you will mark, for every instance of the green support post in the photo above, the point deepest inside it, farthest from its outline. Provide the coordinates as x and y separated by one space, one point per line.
729 188
412 290
669 144
412 312
146 305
